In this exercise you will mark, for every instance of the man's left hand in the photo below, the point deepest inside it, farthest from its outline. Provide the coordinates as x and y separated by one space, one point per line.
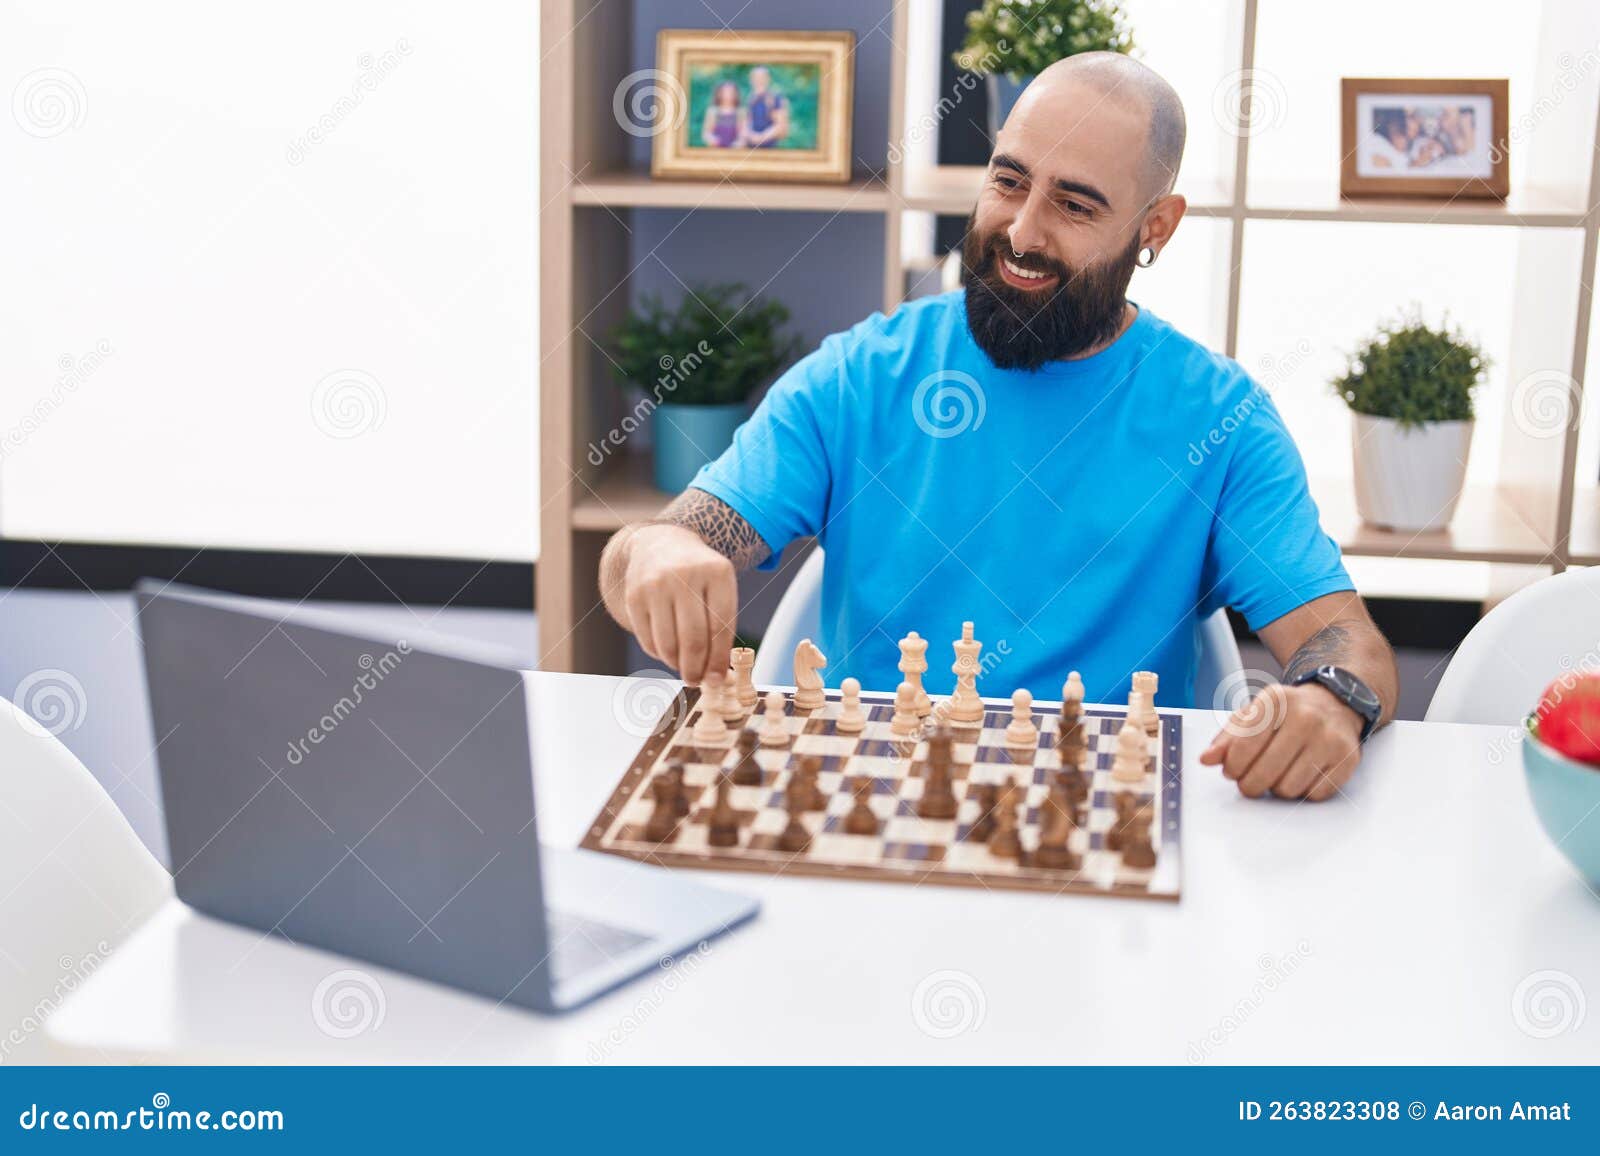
1298 742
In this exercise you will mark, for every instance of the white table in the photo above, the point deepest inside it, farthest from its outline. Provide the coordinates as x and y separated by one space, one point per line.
1393 925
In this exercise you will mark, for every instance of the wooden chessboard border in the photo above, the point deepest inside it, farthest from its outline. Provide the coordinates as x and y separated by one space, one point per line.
1169 766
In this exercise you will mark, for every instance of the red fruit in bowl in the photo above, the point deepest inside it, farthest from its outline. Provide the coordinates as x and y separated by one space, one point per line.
1569 717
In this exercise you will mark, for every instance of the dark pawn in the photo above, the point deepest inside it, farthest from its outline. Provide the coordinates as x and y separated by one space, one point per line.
1006 843
724 819
938 795
1054 834
680 791
803 792
747 772
862 820
663 822
795 837
1137 849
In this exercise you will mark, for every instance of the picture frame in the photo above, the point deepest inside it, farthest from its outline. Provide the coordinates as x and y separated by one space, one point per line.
1409 137
753 105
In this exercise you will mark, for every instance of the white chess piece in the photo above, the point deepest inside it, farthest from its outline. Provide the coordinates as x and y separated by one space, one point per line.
711 728
913 662
807 682
965 704
1022 733
906 721
852 720
732 709
774 730
1146 682
1129 764
743 660
1072 689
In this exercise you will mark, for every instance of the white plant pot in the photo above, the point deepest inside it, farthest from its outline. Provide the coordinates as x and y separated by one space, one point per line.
1409 478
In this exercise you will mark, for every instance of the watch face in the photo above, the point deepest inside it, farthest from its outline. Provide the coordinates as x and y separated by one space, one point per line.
1352 688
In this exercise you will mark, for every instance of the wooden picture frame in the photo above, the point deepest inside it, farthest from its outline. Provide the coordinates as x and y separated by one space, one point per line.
1394 130
713 102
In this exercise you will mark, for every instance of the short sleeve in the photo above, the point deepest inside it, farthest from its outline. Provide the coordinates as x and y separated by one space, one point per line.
1267 552
776 475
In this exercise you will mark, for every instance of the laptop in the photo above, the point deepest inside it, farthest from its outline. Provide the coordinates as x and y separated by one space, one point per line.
373 795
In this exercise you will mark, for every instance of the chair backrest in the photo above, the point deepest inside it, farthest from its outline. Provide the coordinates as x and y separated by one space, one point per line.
1519 648
74 878
799 615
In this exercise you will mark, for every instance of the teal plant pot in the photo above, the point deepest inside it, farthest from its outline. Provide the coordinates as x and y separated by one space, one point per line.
1566 797
1003 94
688 436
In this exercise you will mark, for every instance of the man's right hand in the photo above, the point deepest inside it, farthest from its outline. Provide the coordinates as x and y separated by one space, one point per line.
681 599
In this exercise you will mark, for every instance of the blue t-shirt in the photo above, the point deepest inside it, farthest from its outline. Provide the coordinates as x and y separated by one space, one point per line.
1083 515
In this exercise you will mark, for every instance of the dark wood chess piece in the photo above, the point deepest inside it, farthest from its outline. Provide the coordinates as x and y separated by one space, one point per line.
985 795
1006 842
724 821
938 794
747 772
803 792
862 820
1055 833
795 837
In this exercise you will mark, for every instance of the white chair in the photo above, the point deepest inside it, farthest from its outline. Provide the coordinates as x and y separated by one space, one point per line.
1504 664
75 880
799 615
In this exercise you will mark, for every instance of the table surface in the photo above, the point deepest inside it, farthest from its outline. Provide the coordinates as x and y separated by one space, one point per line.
1416 919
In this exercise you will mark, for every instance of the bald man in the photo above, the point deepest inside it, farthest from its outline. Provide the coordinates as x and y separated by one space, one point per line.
1043 456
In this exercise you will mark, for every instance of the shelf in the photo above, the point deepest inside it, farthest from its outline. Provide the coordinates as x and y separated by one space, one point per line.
640 190
952 190
622 493
1527 208
1486 528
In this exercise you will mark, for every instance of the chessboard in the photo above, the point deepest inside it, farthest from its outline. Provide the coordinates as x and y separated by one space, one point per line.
905 847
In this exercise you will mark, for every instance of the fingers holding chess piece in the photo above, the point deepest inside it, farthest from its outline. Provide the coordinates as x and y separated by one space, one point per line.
852 719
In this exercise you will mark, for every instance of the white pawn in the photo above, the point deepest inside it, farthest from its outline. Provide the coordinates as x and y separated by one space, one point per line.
774 731
1072 689
732 708
1128 765
906 720
1022 732
851 718
711 728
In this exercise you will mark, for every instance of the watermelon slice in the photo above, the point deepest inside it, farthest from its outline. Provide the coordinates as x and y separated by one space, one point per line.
1569 717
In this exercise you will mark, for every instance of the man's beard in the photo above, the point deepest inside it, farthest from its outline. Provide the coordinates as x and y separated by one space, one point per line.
1022 328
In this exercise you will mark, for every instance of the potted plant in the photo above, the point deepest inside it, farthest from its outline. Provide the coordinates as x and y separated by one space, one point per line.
1011 41
697 365
1410 389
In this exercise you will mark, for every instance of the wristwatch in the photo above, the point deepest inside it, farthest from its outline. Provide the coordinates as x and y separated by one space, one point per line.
1350 690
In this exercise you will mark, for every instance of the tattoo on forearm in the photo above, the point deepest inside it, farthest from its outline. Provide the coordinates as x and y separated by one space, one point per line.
1328 645
718 526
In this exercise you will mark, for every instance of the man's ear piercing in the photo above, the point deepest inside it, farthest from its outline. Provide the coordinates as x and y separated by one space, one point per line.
1147 256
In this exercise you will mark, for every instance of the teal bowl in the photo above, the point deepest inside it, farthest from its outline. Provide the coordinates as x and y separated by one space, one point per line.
1566 797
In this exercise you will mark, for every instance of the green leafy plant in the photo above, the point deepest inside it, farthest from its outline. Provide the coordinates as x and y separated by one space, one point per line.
1413 374
1021 38
717 347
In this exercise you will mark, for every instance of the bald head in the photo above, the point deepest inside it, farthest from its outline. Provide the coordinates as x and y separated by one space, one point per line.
1110 78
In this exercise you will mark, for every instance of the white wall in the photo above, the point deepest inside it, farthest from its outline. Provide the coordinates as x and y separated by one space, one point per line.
222 326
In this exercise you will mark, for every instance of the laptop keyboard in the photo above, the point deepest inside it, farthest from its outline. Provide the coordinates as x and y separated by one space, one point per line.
578 943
